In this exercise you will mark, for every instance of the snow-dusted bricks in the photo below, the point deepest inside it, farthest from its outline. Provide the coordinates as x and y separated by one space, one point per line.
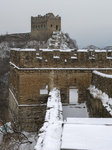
50 133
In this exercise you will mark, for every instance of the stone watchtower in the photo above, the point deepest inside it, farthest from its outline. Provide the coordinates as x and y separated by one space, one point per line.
43 26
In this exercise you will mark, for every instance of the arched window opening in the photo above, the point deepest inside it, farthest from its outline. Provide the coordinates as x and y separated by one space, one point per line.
51 25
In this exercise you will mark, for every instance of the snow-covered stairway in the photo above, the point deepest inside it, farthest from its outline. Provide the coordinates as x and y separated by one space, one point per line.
50 133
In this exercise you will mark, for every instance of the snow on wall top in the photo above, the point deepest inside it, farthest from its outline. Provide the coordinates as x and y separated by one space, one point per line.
19 49
80 50
50 133
106 101
96 50
51 50
102 74
91 121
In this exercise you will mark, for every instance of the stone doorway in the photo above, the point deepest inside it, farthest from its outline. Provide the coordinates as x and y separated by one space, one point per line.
73 95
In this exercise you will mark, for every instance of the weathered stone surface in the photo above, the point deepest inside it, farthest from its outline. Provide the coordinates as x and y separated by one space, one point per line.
102 83
96 108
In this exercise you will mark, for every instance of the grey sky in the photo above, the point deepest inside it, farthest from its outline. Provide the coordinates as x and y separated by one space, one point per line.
87 21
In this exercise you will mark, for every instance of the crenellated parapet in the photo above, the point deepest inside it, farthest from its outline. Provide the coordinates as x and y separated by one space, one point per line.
41 22
23 58
58 58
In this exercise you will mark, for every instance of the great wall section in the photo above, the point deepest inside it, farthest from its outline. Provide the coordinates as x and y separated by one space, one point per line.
31 72
36 71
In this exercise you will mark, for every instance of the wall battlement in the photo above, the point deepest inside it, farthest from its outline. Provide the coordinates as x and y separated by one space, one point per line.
57 58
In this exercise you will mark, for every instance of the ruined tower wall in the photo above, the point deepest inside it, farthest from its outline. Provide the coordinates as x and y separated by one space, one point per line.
43 26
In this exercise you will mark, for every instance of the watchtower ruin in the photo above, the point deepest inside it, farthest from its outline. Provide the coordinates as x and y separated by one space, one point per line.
43 26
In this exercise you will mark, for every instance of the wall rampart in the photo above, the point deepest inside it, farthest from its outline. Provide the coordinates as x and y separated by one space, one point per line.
96 108
103 82
99 95
56 58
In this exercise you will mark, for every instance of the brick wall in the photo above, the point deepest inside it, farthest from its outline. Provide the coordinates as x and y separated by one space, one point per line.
28 75
96 108
66 59
103 82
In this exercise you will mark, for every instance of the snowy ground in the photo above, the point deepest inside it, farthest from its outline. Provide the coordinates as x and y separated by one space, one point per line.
76 110
31 137
87 133
13 144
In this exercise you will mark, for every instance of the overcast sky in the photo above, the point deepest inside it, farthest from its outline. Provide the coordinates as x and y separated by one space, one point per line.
87 21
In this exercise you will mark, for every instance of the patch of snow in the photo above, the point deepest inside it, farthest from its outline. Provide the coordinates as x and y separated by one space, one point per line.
37 53
61 50
109 50
91 57
91 121
102 74
78 110
57 32
109 57
82 50
73 57
28 146
43 91
19 49
101 51
39 57
87 134
46 60
106 101
56 57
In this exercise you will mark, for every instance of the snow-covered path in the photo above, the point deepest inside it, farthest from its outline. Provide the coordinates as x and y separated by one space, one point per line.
76 110
50 133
